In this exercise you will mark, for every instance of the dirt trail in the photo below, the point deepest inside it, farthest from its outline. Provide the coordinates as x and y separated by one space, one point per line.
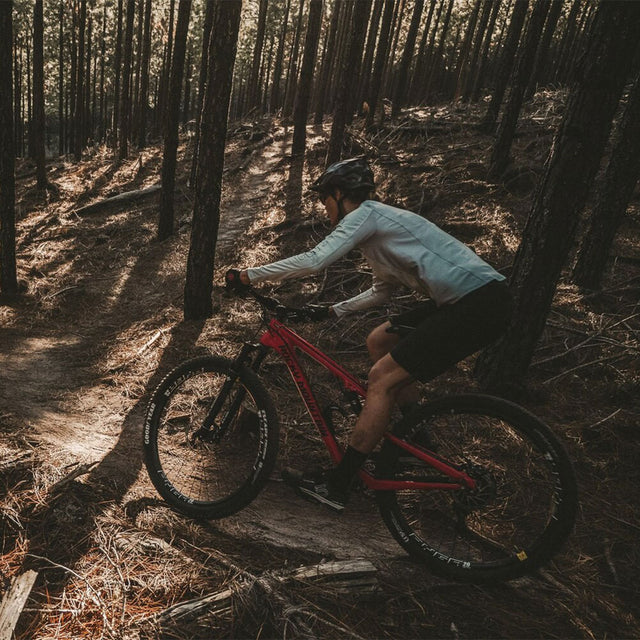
55 377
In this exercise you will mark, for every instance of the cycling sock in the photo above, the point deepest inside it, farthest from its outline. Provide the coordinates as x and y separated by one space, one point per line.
343 474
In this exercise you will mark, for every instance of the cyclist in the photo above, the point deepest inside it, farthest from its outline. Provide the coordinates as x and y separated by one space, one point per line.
468 307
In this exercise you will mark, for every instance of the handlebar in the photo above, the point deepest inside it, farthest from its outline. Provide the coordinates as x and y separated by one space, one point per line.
281 311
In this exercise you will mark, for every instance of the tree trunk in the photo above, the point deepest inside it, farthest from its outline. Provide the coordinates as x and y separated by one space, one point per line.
78 110
213 131
321 93
619 182
570 170
143 98
165 219
507 127
61 131
543 49
437 63
348 77
254 89
292 75
274 102
117 63
466 48
301 110
469 76
204 58
369 51
381 57
401 88
484 54
8 277
506 63
38 95
125 96
425 49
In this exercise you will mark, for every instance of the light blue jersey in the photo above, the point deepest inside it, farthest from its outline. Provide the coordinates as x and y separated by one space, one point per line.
401 247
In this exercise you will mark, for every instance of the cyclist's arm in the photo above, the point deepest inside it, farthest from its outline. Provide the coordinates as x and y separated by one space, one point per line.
352 231
379 293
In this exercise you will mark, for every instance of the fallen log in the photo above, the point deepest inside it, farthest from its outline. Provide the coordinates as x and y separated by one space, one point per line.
14 601
350 576
127 196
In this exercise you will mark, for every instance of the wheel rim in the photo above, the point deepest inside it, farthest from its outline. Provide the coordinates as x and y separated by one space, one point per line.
507 518
204 470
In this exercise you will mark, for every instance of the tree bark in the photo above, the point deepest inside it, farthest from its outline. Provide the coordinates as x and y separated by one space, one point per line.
619 182
506 63
543 49
254 88
8 277
165 217
38 95
507 128
570 170
381 57
274 101
348 77
125 96
484 55
117 59
466 48
401 88
301 109
78 110
292 74
321 93
143 99
204 59
213 131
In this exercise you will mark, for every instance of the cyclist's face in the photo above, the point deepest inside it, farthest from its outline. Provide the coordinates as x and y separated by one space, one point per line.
330 203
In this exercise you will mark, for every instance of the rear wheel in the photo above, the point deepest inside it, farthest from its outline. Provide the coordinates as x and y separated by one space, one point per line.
519 514
217 470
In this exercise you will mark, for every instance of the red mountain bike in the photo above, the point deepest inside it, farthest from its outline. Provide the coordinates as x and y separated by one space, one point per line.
492 498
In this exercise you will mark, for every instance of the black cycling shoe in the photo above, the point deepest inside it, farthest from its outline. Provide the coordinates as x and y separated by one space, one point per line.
316 487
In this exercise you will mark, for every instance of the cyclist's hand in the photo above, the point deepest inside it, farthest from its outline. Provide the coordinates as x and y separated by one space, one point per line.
317 311
233 281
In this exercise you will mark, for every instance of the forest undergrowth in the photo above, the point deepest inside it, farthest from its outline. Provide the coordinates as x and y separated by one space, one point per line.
99 324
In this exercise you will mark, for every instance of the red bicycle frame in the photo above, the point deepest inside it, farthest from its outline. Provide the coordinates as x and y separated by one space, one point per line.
285 342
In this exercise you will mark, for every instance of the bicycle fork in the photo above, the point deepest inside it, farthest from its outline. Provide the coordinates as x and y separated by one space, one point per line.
211 431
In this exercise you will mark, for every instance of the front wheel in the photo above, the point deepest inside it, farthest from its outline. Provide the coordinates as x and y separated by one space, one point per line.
210 437
522 508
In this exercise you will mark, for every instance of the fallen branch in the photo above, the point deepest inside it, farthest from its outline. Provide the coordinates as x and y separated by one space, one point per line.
348 576
14 601
128 196
81 470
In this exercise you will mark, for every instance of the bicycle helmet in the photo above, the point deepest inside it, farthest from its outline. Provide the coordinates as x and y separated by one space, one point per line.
350 176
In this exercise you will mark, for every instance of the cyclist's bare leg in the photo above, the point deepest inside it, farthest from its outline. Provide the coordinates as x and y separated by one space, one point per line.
387 379
379 344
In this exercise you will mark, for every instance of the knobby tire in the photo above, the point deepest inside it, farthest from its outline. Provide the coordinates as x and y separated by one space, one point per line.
522 510
207 476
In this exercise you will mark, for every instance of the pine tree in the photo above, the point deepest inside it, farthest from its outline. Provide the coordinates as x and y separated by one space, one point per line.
208 188
8 277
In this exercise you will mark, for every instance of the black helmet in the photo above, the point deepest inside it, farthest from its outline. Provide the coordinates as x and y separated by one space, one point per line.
349 176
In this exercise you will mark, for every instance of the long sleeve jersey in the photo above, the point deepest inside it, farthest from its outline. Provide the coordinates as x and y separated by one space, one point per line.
402 248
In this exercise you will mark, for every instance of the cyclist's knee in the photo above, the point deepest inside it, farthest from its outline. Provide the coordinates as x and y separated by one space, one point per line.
386 377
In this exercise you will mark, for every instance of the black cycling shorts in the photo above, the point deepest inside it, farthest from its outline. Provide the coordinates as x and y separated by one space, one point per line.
438 337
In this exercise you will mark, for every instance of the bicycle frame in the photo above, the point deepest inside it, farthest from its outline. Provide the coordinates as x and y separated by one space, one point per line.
285 342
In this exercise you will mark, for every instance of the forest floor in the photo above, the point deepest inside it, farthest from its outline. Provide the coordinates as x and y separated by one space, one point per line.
100 323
